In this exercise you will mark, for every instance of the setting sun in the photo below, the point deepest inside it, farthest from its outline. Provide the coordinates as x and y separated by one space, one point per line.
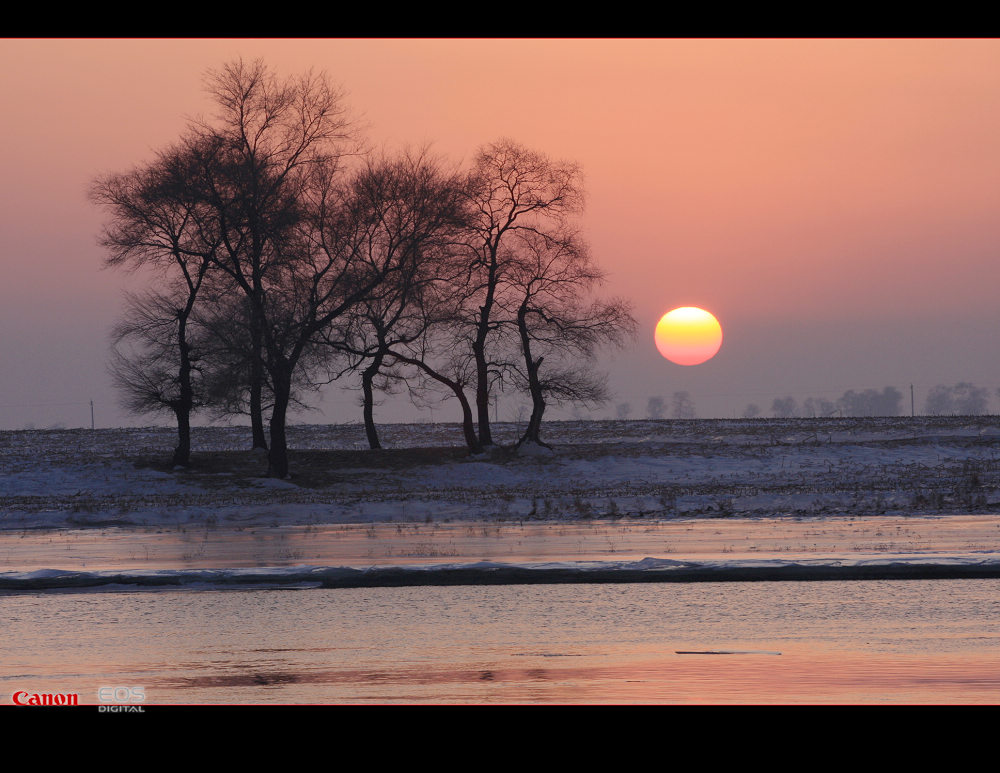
688 335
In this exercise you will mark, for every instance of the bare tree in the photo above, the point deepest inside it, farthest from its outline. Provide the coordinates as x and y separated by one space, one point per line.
511 190
154 363
272 142
440 354
156 223
871 402
939 401
682 406
819 406
454 376
227 360
295 230
419 211
784 407
470 325
551 279
962 399
752 411
970 400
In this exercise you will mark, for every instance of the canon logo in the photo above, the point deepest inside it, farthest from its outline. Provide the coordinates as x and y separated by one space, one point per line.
23 698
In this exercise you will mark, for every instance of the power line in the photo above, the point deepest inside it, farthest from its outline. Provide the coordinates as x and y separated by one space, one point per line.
39 405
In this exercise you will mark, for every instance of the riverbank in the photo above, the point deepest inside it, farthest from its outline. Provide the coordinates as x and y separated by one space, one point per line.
803 468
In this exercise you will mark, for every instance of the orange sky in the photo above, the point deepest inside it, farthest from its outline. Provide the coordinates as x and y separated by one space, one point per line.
836 203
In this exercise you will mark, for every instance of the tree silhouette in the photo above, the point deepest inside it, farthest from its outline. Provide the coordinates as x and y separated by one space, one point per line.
511 190
682 406
157 223
154 363
272 178
551 279
416 210
291 260
784 407
871 402
818 406
962 399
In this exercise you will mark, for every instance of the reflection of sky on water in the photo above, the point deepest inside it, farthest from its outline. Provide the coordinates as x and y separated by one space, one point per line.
364 545
913 641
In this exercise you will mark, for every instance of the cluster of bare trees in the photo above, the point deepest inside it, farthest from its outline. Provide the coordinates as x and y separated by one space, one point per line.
285 257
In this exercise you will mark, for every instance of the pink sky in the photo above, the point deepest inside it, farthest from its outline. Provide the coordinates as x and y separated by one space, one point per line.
836 203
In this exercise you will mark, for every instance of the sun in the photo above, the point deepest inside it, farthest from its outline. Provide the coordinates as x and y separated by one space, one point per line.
688 335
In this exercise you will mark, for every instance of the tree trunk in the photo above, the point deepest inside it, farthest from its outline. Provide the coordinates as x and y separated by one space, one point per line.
256 300
277 456
185 402
367 377
257 389
482 394
468 426
479 351
182 454
531 434
257 416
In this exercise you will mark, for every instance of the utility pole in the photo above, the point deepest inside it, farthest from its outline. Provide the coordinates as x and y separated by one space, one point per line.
91 414
912 414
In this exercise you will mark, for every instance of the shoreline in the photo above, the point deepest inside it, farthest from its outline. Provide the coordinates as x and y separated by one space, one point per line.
667 469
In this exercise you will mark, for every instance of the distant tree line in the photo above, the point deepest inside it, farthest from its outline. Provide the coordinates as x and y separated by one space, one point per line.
284 256
870 402
962 399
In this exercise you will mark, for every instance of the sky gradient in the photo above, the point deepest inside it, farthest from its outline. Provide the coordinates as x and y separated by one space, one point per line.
835 203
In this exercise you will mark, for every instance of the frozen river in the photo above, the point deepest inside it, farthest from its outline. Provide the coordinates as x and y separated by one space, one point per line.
381 544
914 641
923 641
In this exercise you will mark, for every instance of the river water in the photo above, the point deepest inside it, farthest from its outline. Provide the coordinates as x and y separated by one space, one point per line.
913 641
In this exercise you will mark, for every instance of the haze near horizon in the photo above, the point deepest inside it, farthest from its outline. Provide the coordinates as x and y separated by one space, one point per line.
832 202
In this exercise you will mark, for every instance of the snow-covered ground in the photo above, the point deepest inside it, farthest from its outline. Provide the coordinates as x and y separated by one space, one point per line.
625 469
